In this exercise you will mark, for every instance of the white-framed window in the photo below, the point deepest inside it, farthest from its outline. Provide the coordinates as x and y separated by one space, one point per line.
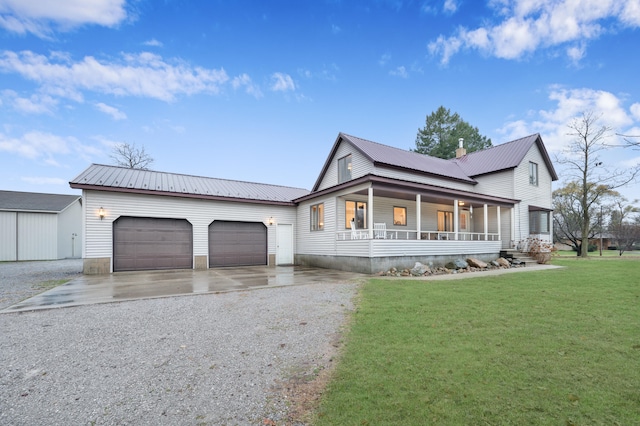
355 211
445 221
317 217
533 173
344 168
400 216
539 222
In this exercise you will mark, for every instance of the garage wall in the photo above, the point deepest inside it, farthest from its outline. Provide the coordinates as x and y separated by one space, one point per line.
8 221
70 223
200 213
38 234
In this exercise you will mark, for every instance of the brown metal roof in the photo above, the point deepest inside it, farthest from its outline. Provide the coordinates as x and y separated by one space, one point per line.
34 201
503 157
413 161
120 179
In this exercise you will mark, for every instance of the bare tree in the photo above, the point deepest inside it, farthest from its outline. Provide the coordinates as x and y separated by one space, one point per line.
624 229
631 141
130 156
588 172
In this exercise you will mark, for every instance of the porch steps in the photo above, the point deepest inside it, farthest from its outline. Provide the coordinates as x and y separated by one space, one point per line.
513 253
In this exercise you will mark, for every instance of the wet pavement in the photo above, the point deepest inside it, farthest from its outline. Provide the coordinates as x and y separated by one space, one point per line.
122 286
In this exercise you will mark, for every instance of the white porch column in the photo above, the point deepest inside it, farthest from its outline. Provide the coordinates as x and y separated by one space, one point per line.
499 233
486 222
456 219
513 227
370 213
418 214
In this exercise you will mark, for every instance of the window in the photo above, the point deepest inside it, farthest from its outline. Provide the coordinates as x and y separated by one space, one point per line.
317 217
357 211
344 169
533 173
400 216
539 222
445 221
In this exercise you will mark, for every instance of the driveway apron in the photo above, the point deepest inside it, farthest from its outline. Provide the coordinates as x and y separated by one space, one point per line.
122 286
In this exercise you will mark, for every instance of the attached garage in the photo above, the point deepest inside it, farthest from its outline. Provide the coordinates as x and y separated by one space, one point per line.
237 243
142 243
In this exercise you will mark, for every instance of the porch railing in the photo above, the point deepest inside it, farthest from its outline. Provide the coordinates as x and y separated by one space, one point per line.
393 234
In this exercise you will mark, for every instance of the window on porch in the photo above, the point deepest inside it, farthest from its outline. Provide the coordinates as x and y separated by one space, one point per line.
445 221
539 222
400 216
357 211
344 168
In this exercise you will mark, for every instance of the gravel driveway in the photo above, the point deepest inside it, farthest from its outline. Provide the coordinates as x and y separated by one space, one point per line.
213 359
21 280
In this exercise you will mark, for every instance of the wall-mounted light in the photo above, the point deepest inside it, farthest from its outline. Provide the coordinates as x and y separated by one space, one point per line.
461 203
101 213
271 221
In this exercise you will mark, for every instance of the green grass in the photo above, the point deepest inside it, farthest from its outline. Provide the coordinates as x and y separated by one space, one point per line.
558 347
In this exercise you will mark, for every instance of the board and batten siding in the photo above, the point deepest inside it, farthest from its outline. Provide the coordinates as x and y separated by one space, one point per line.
38 236
8 241
199 212
360 165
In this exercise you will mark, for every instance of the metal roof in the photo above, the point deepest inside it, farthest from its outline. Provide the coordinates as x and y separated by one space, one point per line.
503 157
103 177
500 157
35 202
396 157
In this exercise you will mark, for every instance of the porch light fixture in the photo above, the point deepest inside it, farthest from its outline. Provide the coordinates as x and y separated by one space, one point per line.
270 221
101 213
461 203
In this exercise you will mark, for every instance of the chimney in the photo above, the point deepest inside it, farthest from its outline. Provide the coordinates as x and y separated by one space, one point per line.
461 152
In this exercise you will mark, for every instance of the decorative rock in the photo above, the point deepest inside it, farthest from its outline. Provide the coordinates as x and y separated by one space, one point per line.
503 262
457 264
419 269
495 263
476 263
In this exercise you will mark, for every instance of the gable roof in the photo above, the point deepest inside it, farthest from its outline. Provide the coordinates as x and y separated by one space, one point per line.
503 157
384 155
464 169
35 202
120 179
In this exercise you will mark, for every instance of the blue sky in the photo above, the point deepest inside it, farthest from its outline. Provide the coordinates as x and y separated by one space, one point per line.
258 90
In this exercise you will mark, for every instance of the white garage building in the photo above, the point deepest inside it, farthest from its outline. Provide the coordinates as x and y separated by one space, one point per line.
35 226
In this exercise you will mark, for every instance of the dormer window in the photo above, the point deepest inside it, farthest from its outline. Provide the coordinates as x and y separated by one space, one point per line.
344 168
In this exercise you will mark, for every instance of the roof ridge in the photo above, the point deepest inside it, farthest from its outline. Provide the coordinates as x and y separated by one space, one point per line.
197 176
502 144
409 151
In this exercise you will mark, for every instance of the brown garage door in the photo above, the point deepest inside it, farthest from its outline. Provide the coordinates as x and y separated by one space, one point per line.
237 244
141 243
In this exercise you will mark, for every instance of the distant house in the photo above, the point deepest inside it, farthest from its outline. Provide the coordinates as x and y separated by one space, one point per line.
372 207
36 226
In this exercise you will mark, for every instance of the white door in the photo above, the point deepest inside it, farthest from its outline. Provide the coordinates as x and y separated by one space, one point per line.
284 244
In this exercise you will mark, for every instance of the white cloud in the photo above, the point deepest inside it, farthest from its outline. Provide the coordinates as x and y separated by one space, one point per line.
144 74
153 43
36 145
450 6
635 111
384 59
37 103
42 17
525 26
245 81
569 104
114 112
399 72
282 82
34 180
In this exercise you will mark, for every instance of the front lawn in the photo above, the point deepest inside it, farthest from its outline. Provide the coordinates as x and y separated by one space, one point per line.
557 347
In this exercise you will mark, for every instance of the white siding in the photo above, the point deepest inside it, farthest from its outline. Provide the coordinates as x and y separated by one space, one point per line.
8 224
70 223
499 184
539 195
320 242
420 178
37 236
200 213
360 165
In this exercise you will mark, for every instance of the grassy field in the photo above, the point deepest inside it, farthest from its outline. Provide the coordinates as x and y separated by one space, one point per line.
557 347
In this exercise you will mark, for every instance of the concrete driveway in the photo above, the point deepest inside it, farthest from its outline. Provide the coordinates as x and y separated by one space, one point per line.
122 286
